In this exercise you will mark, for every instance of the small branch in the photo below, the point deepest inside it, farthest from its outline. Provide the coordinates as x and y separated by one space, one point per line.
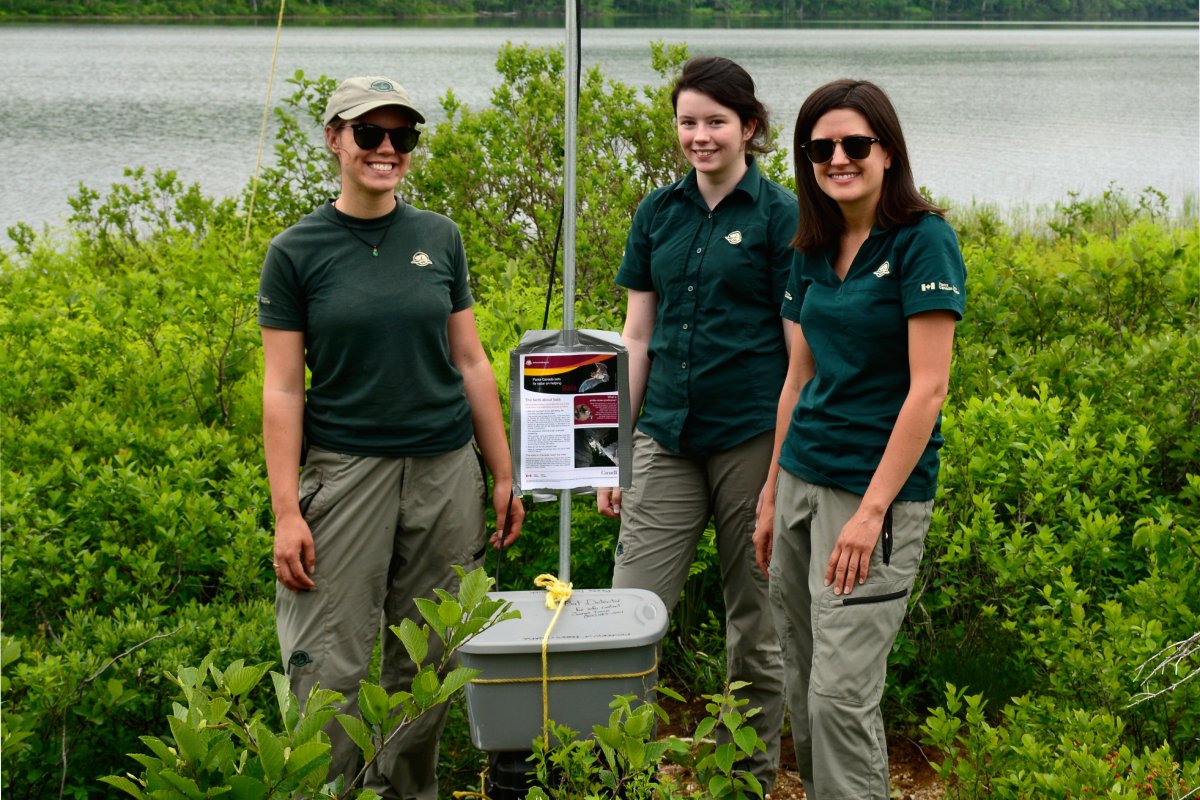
1171 656
62 783
117 658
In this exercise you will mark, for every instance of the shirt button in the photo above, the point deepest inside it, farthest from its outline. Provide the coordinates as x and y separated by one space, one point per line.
685 326
691 288
683 365
699 249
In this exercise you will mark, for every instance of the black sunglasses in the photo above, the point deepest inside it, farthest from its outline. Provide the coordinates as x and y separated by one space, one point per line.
368 136
820 151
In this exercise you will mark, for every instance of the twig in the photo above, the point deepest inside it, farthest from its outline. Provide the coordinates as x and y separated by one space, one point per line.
62 783
1172 655
117 658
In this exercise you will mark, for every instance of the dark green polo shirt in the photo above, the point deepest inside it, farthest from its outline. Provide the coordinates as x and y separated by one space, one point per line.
858 332
375 334
717 354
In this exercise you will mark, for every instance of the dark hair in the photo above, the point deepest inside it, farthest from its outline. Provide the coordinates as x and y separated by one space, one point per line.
731 86
821 220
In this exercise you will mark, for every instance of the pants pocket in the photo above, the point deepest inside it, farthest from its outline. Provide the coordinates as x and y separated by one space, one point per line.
852 637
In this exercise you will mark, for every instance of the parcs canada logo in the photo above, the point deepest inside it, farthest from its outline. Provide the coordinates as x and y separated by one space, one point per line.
734 238
421 259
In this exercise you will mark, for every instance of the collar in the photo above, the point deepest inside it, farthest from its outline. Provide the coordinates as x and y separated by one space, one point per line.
750 184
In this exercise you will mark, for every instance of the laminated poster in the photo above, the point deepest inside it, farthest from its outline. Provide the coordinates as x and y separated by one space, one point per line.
570 411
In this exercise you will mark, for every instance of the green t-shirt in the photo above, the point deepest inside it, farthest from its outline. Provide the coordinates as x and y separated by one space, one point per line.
717 354
375 328
857 330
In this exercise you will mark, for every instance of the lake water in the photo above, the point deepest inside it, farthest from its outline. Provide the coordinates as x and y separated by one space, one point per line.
1007 115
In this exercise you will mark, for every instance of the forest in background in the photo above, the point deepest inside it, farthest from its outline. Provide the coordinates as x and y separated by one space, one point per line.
698 12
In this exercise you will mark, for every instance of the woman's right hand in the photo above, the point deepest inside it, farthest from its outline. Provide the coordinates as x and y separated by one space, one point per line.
295 556
764 530
608 502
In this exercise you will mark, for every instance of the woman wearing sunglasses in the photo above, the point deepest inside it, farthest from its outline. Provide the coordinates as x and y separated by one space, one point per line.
371 295
875 290
705 265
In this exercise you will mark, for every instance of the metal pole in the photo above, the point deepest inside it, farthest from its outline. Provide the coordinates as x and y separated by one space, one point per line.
568 278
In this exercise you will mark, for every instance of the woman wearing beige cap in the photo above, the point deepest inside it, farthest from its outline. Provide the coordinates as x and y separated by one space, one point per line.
371 294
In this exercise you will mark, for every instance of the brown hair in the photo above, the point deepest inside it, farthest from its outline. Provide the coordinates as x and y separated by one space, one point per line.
731 86
821 221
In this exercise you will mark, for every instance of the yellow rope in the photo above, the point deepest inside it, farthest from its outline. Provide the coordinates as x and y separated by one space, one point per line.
482 793
612 676
557 595
557 592
262 131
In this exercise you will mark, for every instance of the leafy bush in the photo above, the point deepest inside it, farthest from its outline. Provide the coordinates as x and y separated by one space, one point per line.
223 744
624 760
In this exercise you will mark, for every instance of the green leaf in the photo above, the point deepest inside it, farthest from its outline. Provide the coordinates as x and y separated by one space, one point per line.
124 784
450 612
308 757
725 756
289 710
10 650
747 740
241 680
457 679
473 587
414 639
373 703
431 614
185 786
639 725
243 787
188 740
270 752
719 786
358 731
425 687
663 690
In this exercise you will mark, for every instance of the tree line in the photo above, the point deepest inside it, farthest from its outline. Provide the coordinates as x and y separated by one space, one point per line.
699 11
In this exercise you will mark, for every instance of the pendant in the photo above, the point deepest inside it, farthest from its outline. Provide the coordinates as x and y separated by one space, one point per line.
375 252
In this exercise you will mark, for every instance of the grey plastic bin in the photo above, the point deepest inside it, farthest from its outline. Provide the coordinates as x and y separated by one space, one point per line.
605 642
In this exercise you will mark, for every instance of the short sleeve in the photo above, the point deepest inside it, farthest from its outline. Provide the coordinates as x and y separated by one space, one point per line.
280 298
933 273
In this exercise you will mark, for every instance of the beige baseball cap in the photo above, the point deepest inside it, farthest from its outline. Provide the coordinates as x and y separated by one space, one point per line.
356 96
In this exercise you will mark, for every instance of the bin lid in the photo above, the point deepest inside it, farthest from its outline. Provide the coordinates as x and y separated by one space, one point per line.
593 619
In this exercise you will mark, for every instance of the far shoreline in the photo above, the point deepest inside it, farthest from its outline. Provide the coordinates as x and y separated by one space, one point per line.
698 20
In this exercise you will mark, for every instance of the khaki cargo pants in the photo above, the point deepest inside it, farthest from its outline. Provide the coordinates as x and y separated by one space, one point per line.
386 530
835 648
663 516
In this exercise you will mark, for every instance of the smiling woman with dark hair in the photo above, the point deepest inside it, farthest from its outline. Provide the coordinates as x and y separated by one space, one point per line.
876 288
705 264
371 295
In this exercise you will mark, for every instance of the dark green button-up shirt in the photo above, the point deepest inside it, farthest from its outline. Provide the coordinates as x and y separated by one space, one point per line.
717 354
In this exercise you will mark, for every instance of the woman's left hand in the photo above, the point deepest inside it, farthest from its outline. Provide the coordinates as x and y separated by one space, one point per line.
851 556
